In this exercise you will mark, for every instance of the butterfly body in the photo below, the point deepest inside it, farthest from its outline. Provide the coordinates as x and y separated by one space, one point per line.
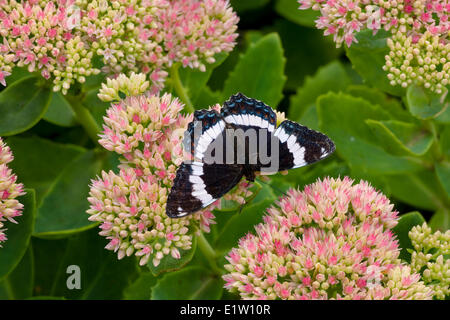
239 141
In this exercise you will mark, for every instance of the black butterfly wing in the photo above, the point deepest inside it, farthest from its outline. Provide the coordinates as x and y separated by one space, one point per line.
245 113
291 144
198 184
206 126
300 146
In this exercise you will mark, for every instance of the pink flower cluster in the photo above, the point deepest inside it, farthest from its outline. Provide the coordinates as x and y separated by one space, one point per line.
10 207
61 38
419 46
147 131
343 19
331 241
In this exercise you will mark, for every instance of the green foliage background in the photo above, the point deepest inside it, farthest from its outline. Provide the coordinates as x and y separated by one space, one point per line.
397 139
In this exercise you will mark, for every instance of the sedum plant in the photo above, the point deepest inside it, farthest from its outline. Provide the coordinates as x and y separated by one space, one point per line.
10 207
331 241
99 93
428 258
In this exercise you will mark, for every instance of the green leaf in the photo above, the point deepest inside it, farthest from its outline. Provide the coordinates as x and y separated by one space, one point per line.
19 283
233 206
94 82
222 72
38 162
401 138
443 174
377 97
141 288
342 118
367 57
193 283
331 77
241 6
444 141
22 105
207 98
444 116
95 105
423 104
63 209
48 255
45 298
289 9
252 36
241 223
168 263
310 118
420 189
259 72
405 224
18 73
102 275
440 221
305 50
18 235
60 112
195 81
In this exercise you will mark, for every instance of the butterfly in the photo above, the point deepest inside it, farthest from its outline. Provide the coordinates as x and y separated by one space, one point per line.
239 141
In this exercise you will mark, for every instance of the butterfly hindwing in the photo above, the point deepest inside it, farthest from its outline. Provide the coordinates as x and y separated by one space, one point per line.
198 184
300 146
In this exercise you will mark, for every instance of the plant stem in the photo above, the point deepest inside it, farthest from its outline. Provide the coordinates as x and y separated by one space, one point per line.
85 118
208 252
179 89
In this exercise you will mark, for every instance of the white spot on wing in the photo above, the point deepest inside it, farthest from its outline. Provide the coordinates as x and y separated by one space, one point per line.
221 125
295 148
291 141
245 119
205 198
208 202
264 123
230 119
195 179
257 121
210 132
198 186
236 119
199 155
281 134
216 130
199 193
299 158
197 168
